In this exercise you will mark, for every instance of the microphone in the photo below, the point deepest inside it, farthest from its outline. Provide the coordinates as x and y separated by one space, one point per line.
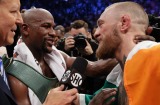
74 77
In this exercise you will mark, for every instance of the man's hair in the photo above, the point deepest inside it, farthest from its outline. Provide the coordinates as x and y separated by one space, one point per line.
60 27
135 10
31 15
79 24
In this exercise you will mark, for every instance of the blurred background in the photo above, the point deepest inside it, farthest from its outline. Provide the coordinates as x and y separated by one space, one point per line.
66 11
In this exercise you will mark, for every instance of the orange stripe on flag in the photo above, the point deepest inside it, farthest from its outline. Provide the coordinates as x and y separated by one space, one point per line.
142 77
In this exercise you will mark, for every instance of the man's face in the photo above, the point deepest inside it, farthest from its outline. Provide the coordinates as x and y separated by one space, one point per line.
108 36
42 33
10 17
75 32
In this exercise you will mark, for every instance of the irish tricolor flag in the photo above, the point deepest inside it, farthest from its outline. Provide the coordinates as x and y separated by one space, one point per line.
112 81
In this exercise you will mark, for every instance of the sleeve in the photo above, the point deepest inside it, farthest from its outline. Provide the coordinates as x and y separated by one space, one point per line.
86 98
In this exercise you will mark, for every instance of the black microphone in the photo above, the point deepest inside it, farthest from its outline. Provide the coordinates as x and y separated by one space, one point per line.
74 77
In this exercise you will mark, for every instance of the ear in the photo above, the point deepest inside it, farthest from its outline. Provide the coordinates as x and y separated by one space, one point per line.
24 29
125 23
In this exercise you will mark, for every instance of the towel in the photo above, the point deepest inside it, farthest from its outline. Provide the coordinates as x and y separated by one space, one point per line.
54 60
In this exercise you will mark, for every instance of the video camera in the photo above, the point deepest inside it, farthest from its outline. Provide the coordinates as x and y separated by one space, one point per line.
154 21
80 41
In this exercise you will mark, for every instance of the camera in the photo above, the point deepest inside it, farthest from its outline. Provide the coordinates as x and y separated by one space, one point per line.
154 21
80 41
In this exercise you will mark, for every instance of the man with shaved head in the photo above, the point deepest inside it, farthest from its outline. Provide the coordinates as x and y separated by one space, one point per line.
37 51
117 27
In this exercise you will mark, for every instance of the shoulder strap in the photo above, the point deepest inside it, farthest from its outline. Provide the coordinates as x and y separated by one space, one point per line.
39 83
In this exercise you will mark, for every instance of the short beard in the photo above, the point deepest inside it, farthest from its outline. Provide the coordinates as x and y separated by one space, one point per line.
109 46
45 48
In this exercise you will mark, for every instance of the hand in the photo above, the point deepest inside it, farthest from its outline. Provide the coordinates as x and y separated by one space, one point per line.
69 43
149 30
76 102
58 97
100 98
140 38
87 50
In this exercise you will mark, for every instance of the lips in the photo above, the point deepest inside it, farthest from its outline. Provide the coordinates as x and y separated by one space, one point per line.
13 30
50 41
98 39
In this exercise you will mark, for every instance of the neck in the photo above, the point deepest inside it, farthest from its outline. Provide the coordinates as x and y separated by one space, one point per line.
125 48
37 54
121 55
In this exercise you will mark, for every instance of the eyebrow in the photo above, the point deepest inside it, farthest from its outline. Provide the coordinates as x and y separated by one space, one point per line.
47 23
99 22
16 6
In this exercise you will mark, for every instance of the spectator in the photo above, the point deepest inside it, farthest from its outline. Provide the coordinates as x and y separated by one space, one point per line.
60 32
68 45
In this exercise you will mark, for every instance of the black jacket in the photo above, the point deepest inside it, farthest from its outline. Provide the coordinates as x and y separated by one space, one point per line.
6 97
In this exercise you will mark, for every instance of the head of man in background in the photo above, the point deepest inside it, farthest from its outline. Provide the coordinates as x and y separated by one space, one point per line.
10 17
80 27
60 32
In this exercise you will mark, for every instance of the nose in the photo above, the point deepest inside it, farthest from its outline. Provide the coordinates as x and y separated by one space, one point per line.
52 32
96 34
19 19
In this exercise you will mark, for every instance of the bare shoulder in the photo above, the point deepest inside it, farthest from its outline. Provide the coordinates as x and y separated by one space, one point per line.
69 60
19 90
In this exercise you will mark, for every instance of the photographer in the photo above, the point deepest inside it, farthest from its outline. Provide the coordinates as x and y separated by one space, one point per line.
79 31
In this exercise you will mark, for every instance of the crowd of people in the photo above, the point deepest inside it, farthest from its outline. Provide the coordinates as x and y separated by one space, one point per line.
88 10
122 59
